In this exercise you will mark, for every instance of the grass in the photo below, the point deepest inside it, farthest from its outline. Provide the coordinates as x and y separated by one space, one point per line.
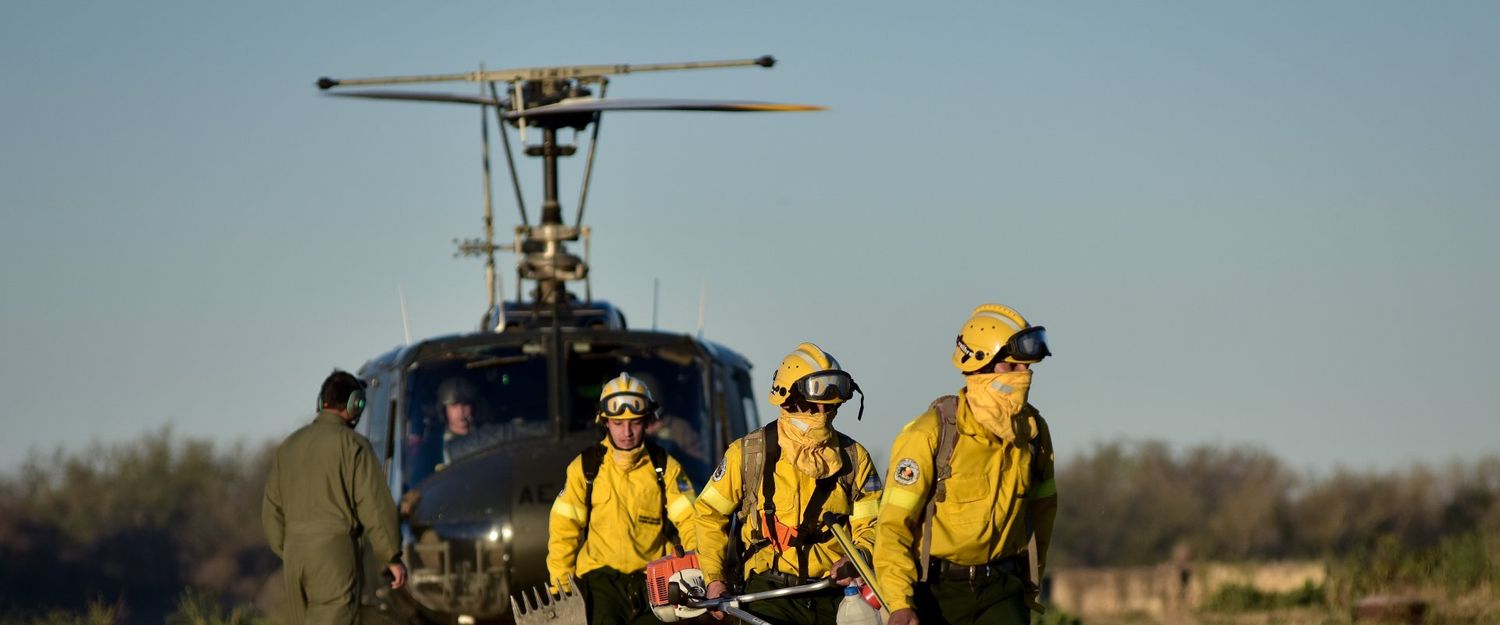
197 607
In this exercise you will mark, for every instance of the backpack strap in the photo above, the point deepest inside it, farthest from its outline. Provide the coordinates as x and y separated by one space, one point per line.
946 408
752 459
658 457
769 458
846 475
592 457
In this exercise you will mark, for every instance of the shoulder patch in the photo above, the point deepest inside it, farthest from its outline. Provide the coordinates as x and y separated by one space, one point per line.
906 472
872 483
719 472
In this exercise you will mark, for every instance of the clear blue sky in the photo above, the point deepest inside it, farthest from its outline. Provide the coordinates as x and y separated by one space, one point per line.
1266 223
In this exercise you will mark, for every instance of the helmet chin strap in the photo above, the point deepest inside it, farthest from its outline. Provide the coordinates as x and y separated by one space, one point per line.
857 389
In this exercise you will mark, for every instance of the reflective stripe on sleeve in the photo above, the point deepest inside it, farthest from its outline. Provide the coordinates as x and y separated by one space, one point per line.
1047 489
566 510
901 498
866 508
718 502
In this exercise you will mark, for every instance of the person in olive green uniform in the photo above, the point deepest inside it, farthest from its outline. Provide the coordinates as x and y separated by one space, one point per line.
626 503
326 490
967 517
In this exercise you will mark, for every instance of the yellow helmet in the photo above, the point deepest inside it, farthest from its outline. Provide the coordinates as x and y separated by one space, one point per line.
994 330
812 374
625 397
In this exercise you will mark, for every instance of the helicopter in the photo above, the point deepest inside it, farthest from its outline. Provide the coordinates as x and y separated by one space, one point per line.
475 430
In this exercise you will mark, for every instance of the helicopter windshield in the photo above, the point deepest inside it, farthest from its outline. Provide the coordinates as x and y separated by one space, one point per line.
676 379
462 404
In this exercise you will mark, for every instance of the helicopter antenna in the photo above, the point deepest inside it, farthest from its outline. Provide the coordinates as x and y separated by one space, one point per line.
405 318
655 299
702 304
588 166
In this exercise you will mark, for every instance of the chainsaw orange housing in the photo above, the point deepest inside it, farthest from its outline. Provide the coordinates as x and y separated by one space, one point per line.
660 572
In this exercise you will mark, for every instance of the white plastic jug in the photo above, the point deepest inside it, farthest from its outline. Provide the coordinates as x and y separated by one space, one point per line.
854 611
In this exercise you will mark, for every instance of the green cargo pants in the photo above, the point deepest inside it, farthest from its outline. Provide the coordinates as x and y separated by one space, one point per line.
615 598
322 579
996 601
819 608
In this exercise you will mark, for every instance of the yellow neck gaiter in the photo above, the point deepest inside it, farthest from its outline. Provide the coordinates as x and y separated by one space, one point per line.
806 439
996 399
625 459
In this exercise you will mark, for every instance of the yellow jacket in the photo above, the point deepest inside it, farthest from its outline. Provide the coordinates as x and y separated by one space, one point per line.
721 500
984 516
625 530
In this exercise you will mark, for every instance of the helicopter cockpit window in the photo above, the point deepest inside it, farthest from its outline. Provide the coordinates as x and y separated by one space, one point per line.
461 405
675 377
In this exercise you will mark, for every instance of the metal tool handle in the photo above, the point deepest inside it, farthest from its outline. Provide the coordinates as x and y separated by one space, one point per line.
745 616
727 602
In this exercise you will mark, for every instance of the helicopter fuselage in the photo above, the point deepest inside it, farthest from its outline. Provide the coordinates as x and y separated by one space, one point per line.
475 504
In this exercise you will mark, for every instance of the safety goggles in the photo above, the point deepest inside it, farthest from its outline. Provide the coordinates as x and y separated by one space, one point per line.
1028 346
621 403
825 386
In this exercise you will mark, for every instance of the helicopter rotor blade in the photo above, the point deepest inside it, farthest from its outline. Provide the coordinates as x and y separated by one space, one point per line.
424 96
593 105
576 72
587 105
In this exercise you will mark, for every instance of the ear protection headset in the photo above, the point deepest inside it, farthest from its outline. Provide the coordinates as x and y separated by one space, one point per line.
355 405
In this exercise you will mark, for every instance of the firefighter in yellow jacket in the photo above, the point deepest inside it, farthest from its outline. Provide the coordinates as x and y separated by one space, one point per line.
626 503
970 499
779 481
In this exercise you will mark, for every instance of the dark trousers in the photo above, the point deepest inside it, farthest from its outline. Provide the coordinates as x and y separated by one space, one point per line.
996 601
615 598
819 608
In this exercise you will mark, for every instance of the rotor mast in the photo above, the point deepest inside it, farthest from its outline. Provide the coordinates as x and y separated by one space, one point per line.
542 248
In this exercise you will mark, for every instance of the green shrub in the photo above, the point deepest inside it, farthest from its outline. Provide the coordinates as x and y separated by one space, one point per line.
1055 616
1246 598
1458 564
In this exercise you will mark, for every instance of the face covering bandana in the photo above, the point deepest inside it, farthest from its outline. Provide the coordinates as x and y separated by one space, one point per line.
996 399
806 438
625 459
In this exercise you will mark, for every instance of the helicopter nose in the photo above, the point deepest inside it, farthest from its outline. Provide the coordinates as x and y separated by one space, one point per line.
481 525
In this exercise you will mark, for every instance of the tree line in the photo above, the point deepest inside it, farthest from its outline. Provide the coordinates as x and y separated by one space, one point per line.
135 523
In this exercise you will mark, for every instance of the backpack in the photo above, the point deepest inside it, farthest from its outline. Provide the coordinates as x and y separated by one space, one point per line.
946 408
761 450
593 458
